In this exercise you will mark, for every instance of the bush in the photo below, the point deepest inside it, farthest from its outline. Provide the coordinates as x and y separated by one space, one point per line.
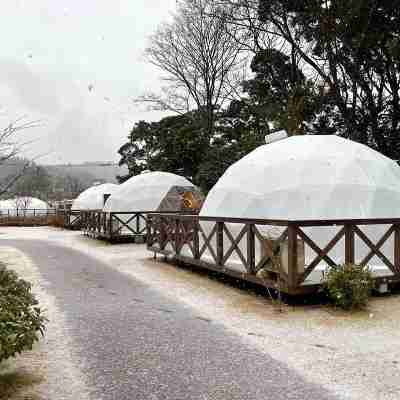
349 286
21 320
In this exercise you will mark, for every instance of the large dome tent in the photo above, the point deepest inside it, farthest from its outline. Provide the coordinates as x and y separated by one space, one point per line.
310 177
93 197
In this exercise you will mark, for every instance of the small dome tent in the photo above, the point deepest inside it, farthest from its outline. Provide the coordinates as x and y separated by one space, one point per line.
151 191
311 177
26 203
93 198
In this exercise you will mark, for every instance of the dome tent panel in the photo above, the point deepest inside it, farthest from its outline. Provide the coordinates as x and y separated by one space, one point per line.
310 177
93 197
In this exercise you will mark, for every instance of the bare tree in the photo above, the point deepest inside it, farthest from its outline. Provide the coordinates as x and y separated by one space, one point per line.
11 147
202 62
22 203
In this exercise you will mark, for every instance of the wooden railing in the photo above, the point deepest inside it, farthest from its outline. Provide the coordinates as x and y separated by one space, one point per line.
115 225
298 249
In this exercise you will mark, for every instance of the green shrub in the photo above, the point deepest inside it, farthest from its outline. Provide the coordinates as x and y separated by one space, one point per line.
349 286
21 319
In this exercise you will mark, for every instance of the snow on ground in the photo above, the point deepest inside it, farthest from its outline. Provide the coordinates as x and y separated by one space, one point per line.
51 359
356 356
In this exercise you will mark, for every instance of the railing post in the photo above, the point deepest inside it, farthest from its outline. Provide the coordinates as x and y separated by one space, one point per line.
220 242
349 244
137 223
196 241
397 248
148 230
292 256
251 251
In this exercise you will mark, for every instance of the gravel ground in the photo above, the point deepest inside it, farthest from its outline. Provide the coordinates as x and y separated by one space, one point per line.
132 342
353 356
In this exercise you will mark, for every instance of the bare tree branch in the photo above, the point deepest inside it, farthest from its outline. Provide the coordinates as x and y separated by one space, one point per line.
10 147
201 61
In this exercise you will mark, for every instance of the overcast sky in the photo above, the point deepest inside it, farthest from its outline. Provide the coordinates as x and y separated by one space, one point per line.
76 65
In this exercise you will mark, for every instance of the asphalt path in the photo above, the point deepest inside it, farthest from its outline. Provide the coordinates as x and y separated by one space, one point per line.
136 344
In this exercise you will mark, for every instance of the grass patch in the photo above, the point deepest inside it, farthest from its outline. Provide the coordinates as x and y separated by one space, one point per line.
18 385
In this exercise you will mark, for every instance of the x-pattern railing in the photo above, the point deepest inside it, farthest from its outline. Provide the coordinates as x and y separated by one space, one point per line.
132 224
213 241
113 224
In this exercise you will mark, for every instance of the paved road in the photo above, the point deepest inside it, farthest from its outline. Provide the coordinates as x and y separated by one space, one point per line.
136 344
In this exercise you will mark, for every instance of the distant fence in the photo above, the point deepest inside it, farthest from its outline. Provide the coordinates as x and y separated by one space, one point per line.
69 219
292 258
27 217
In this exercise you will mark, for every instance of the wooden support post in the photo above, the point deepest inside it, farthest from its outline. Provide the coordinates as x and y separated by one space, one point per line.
111 225
292 257
177 236
349 244
251 251
162 233
397 248
220 243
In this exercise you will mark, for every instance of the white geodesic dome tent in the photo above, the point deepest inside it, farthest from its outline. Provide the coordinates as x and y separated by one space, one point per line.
144 192
29 205
93 198
311 177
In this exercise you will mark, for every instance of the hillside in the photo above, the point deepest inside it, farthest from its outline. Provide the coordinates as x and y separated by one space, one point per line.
99 171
